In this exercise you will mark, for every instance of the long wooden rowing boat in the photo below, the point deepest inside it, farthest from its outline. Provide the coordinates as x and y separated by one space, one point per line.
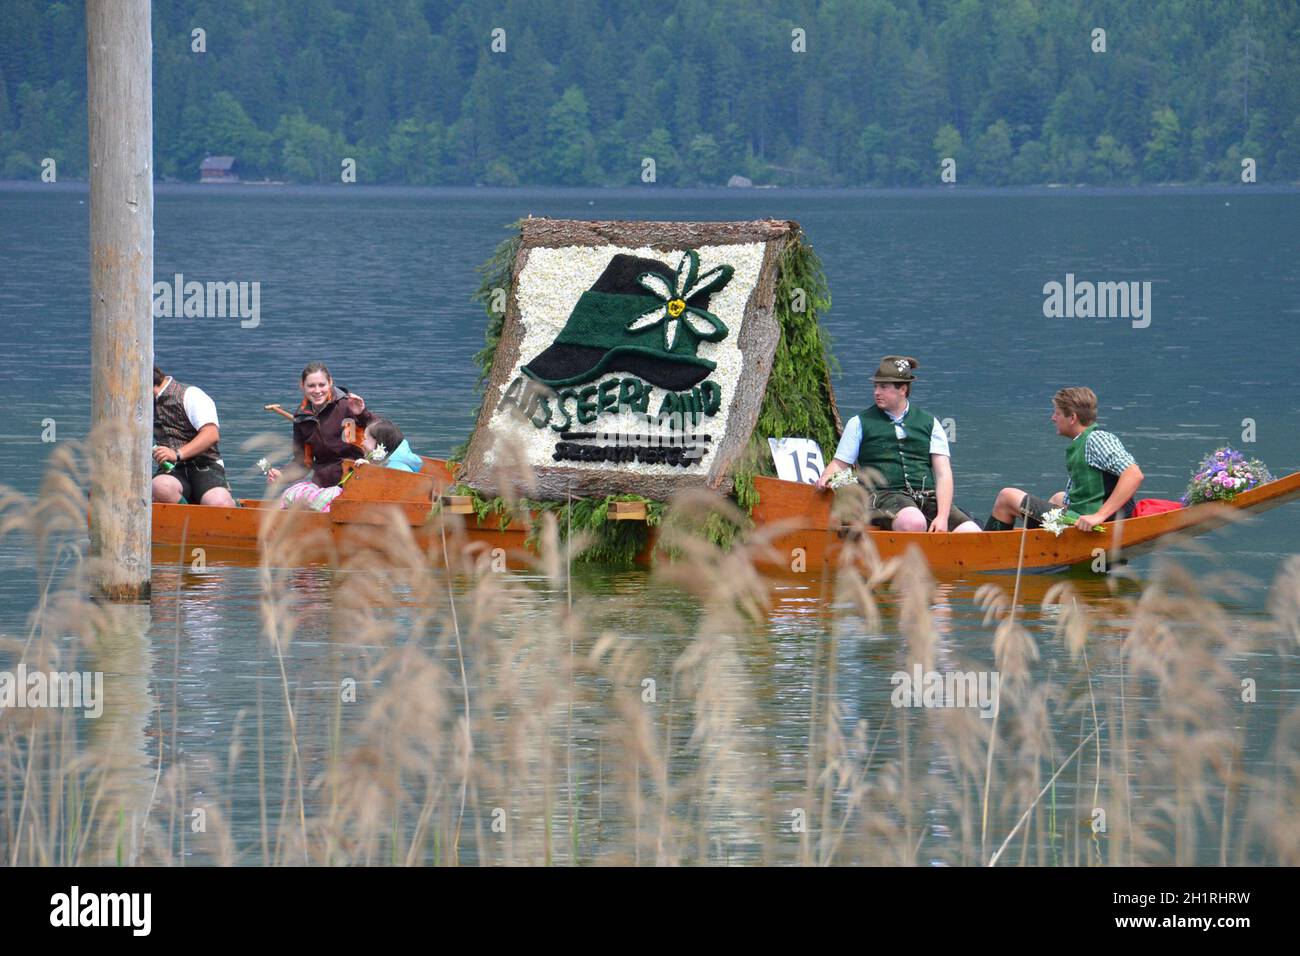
806 535
823 535
240 533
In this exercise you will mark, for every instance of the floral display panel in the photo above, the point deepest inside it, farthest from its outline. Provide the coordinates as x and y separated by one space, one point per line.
634 355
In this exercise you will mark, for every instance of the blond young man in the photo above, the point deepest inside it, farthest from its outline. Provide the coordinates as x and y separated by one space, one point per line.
1103 476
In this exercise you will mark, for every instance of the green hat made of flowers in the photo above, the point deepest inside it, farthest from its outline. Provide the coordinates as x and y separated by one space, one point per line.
640 317
896 368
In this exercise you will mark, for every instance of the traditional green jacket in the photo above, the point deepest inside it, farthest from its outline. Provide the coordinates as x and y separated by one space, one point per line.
1087 484
905 462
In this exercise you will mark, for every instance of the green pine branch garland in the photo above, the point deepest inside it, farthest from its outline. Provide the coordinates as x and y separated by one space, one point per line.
615 542
798 401
495 275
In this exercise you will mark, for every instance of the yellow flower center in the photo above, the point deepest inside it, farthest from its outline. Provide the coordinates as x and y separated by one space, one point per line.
676 307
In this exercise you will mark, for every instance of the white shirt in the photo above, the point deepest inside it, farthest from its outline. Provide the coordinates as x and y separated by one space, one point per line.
851 441
199 408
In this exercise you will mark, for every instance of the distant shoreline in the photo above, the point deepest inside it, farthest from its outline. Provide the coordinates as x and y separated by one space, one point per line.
76 186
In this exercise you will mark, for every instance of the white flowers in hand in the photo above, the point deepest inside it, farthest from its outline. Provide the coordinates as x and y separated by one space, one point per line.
1056 521
376 454
842 479
264 465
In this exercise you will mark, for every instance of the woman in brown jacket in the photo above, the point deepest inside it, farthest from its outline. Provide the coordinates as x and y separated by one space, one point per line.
318 425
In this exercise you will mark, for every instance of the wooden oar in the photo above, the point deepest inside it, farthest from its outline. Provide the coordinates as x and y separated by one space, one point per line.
279 410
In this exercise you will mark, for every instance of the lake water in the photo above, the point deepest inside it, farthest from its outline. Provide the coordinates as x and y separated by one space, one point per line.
376 283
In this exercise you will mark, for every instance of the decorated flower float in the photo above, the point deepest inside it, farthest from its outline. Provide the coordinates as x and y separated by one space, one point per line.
630 364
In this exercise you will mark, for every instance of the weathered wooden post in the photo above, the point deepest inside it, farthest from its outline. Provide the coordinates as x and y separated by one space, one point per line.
119 81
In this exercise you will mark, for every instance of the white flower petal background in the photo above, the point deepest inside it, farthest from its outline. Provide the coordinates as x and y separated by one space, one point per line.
683 271
670 332
698 324
549 286
649 318
656 284
703 279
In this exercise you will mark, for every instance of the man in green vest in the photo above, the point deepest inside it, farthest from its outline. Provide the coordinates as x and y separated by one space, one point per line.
909 448
1103 476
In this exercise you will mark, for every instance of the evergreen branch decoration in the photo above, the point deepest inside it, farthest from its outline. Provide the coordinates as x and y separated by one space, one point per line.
496 274
614 542
798 399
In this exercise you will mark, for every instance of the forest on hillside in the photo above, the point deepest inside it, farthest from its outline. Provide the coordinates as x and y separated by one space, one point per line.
582 92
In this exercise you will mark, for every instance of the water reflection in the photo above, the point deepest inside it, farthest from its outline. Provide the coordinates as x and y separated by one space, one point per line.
116 742
194 686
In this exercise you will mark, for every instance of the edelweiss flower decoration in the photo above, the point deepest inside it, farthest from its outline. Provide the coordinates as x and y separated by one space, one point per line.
688 286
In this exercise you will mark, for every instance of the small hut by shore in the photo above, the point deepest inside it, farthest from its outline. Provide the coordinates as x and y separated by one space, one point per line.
218 169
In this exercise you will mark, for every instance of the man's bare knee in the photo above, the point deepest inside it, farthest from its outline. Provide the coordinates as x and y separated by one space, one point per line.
1007 506
1058 499
910 519
218 498
166 489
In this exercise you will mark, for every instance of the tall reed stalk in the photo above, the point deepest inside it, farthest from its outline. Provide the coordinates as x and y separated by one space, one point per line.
448 712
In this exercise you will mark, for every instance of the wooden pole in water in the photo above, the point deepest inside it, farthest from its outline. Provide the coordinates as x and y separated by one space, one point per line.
119 100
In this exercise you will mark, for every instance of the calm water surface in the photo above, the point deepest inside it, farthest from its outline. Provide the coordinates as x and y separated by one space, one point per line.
377 282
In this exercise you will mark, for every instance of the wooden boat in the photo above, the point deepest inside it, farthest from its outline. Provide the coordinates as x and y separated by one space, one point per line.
823 536
240 533
799 517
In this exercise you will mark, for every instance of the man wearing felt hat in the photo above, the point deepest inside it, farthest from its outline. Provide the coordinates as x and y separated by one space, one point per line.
909 448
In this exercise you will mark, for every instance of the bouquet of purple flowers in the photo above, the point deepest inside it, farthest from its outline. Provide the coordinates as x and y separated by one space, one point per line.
1224 475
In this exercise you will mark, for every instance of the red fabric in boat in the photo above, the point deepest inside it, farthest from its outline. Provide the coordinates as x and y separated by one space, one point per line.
1155 506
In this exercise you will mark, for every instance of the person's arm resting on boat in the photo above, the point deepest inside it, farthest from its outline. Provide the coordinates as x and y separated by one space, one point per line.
1107 453
942 467
835 466
846 452
1125 487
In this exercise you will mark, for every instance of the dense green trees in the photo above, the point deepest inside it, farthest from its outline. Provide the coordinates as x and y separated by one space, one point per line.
581 92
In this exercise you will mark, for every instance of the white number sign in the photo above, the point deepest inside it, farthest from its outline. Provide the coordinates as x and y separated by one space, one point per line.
797 459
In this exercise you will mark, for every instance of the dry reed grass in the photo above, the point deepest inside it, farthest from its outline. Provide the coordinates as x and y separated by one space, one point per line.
496 722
